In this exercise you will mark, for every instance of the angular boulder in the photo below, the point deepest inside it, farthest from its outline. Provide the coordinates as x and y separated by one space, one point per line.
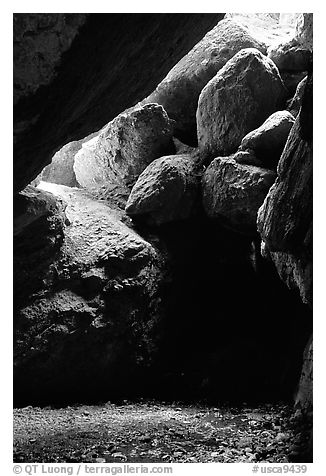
238 99
233 193
268 140
116 157
179 91
87 307
165 191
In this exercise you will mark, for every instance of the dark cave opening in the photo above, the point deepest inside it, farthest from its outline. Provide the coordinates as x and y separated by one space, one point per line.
234 331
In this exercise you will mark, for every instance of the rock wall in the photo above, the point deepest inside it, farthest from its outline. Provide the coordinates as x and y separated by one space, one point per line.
285 218
40 39
285 224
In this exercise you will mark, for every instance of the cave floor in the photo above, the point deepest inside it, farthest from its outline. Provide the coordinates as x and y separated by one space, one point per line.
149 432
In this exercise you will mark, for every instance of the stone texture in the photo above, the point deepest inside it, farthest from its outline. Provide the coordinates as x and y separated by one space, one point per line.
238 99
304 30
247 157
40 39
268 140
179 91
115 158
86 314
165 191
233 193
285 218
39 220
296 101
61 169
90 89
290 56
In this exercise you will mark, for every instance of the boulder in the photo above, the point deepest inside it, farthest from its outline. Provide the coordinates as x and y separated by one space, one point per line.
179 91
86 310
296 101
268 140
290 56
114 159
61 169
165 191
247 157
285 218
233 193
39 222
246 91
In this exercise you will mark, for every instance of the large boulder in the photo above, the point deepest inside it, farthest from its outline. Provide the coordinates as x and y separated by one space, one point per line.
117 156
165 191
179 91
268 140
285 218
238 99
233 193
87 309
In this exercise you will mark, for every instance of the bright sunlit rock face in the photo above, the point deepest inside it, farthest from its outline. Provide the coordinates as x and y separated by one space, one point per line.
271 28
